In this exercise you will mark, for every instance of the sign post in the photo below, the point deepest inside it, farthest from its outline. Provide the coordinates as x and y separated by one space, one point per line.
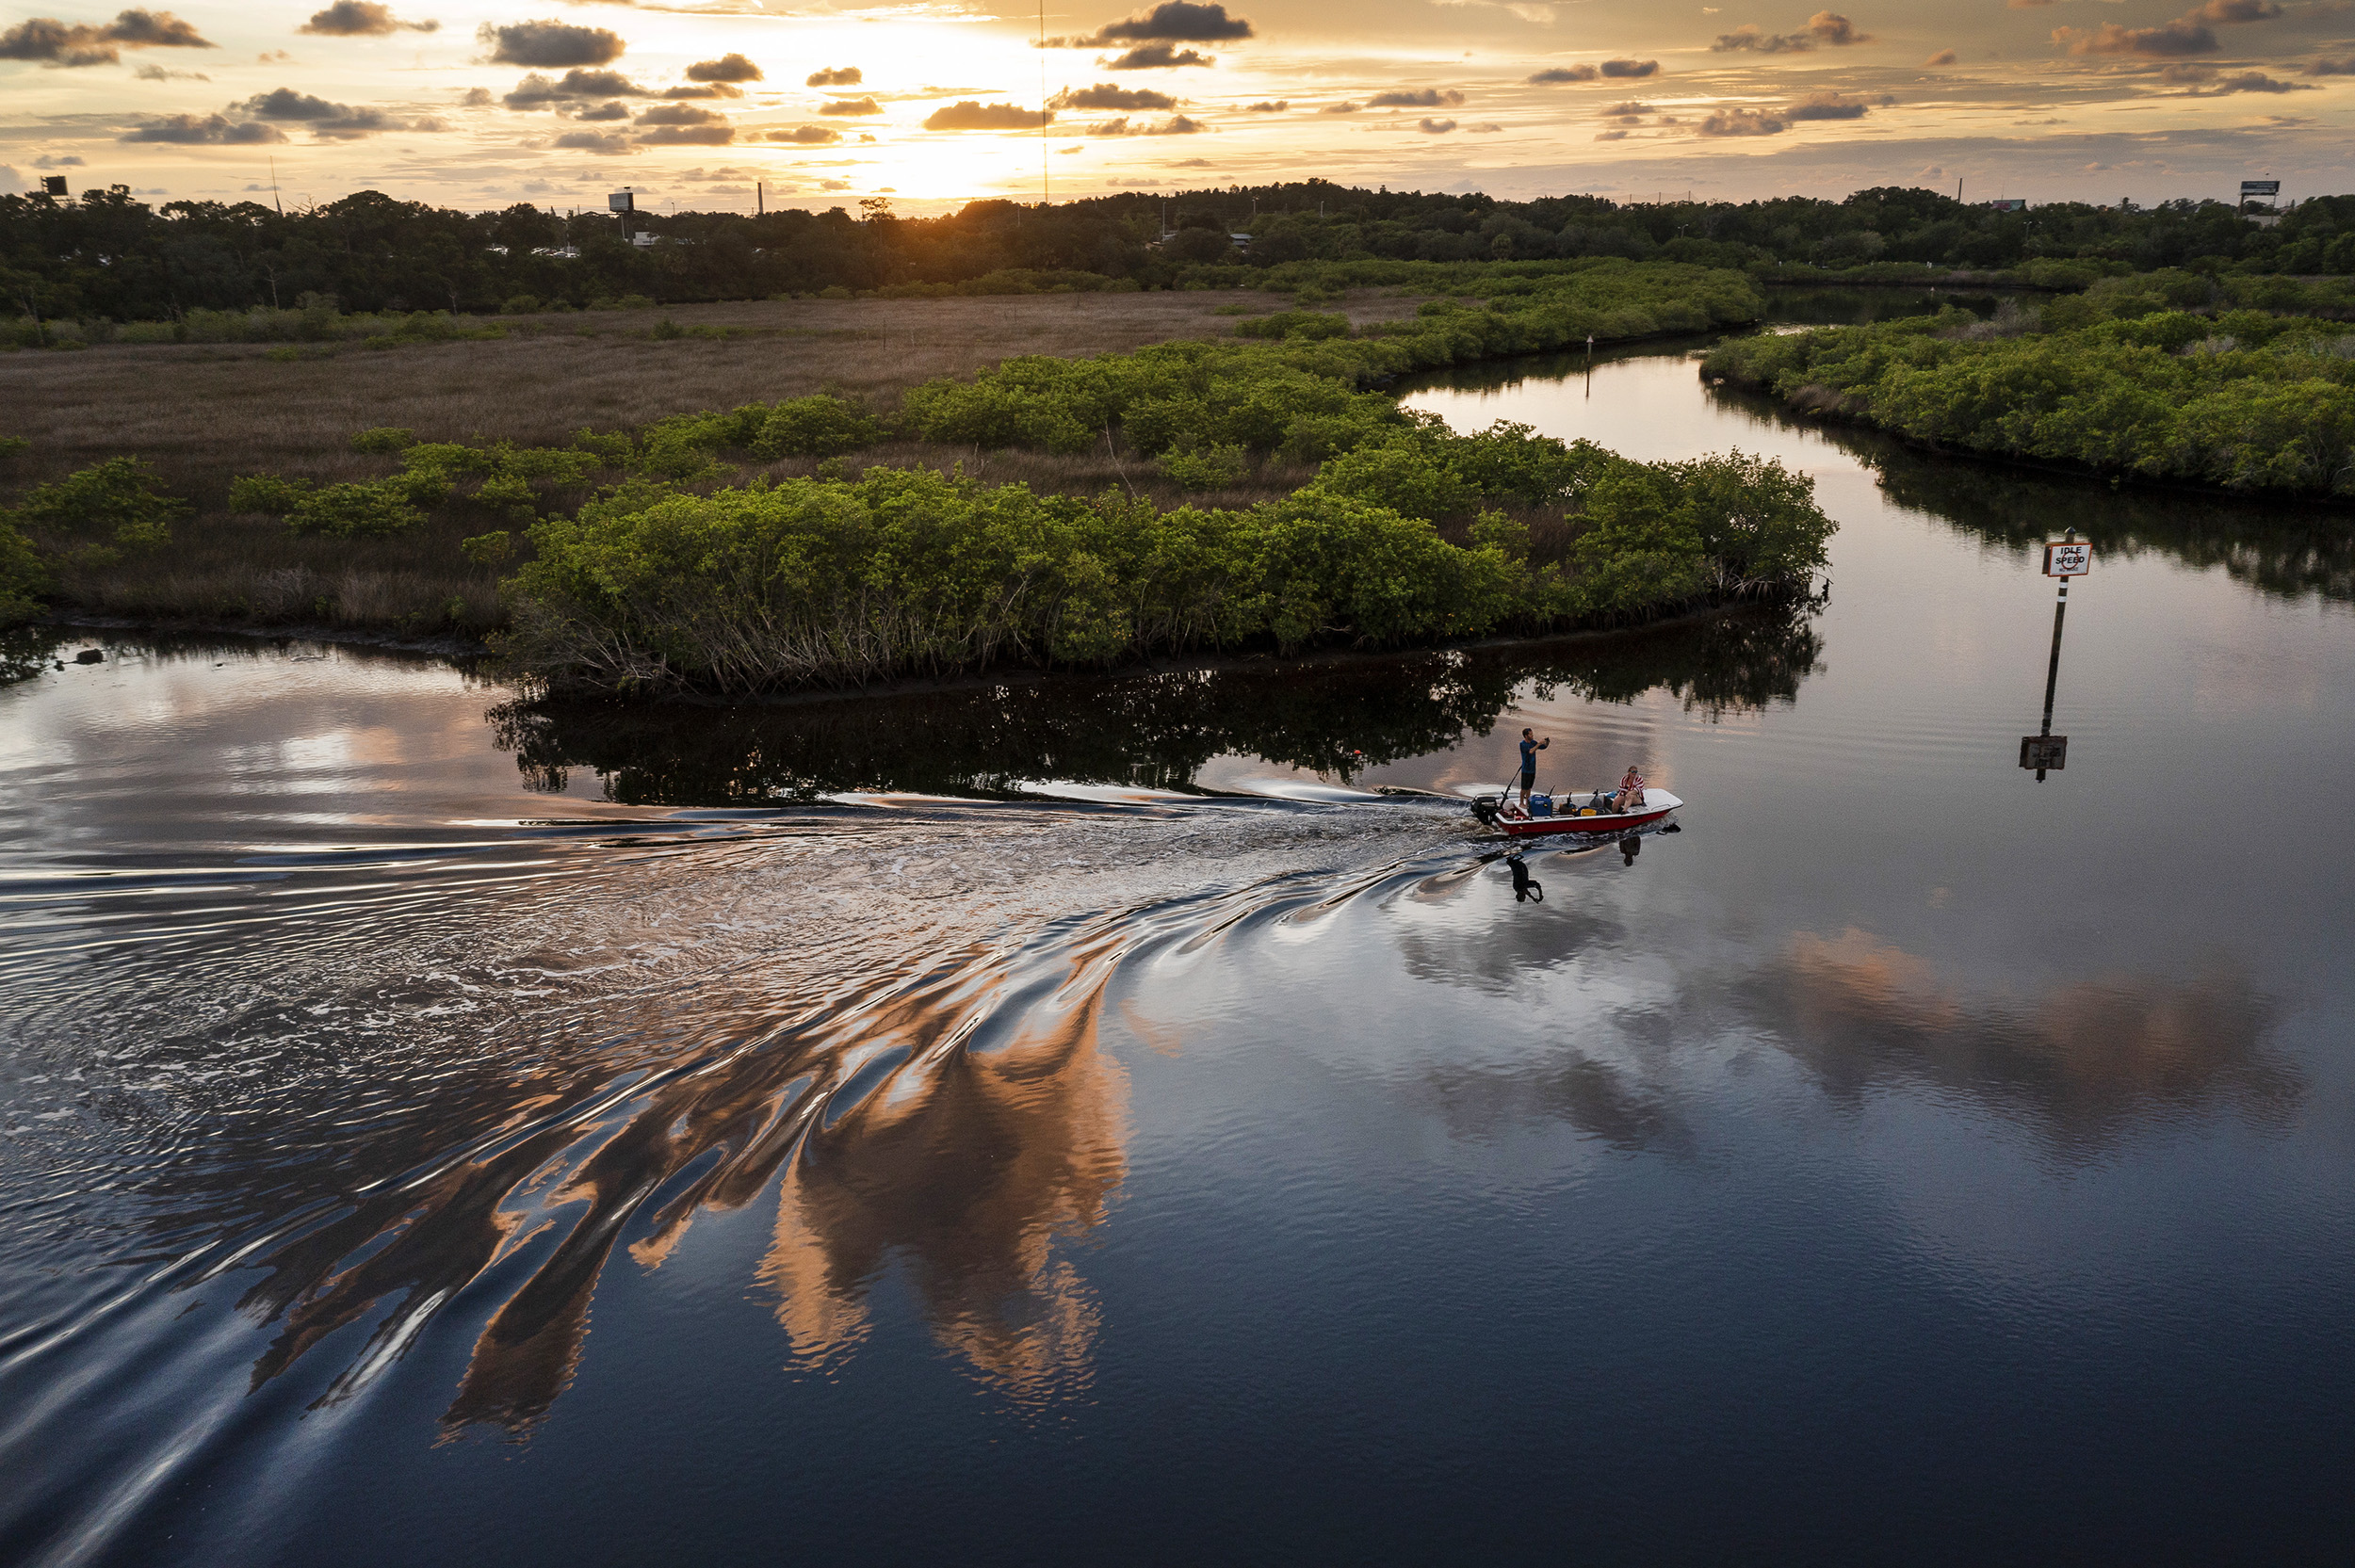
2063 558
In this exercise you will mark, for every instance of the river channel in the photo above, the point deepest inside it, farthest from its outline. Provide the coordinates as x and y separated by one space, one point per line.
1139 1119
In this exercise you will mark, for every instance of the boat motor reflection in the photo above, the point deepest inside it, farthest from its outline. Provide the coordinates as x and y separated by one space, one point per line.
1526 889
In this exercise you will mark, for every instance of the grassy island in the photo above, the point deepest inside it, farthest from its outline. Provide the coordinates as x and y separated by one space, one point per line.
1256 489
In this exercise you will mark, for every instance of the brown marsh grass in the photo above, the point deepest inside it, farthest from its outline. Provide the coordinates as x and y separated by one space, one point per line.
205 414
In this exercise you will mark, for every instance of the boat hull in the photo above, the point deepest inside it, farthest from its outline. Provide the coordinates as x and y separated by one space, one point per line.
1658 807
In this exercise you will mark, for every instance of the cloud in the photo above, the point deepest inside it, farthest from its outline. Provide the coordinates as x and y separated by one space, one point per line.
1156 56
705 89
1944 57
850 105
2249 81
1749 37
1630 107
1610 135
1484 128
680 114
807 135
1271 105
287 104
833 184
1743 123
1176 125
1416 98
536 91
1110 95
68 161
1835 31
969 115
728 68
1172 21
58 44
157 73
362 19
2192 33
2330 67
327 122
1828 106
551 43
688 135
1564 74
475 98
603 112
595 141
207 130
1345 106
848 75
1624 70
1434 127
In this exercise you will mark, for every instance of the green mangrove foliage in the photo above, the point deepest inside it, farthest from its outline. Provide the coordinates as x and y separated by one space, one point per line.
2162 376
24 577
1302 396
907 572
90 518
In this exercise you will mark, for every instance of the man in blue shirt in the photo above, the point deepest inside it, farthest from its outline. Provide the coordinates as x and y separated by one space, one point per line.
1531 746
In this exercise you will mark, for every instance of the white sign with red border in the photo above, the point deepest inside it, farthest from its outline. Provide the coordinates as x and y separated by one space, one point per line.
2071 559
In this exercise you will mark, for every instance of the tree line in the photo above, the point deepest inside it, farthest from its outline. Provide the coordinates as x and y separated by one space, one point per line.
107 256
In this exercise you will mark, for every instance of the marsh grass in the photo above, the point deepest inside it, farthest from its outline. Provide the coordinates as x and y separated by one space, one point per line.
205 414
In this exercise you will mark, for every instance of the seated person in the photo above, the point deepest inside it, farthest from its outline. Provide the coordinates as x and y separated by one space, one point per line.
1631 793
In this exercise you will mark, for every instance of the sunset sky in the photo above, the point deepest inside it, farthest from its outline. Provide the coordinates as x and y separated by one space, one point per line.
478 103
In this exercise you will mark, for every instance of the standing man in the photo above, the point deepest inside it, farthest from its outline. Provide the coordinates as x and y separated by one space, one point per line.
1531 746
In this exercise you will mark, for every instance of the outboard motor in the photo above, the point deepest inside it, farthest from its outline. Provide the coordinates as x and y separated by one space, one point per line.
1484 807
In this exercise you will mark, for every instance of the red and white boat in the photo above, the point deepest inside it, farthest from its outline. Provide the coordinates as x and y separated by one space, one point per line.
1588 815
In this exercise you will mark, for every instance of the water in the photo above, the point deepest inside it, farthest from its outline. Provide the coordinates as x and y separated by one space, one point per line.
1062 1121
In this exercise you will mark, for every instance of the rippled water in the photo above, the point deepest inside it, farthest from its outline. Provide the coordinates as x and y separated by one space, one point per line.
1138 1118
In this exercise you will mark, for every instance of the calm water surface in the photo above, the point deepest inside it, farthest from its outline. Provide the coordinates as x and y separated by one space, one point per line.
1137 1119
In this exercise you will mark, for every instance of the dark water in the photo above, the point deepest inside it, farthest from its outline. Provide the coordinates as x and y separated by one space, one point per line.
1136 1120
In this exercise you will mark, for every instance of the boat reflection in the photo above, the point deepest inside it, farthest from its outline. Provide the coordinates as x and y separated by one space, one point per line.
1152 731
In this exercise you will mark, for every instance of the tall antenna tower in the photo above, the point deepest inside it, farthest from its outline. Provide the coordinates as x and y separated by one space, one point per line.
273 189
1045 179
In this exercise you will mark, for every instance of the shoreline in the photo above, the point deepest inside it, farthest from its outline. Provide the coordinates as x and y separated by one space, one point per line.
2332 505
457 651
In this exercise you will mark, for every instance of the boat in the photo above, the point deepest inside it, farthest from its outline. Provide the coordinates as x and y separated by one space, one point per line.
1588 815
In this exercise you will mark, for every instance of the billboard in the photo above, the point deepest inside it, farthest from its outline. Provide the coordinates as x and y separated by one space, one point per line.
2259 187
53 184
620 200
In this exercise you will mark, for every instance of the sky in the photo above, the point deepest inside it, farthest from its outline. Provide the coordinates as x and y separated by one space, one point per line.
713 105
